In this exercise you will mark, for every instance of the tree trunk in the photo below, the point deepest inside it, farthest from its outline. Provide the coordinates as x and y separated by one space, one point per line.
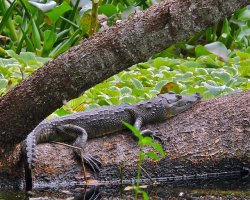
102 56
212 139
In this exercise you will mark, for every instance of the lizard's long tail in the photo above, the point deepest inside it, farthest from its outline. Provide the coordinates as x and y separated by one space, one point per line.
28 148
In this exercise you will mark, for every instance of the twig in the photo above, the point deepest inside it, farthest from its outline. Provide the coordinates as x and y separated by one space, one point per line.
81 152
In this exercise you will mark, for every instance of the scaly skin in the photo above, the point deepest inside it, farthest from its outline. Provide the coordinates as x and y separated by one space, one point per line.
105 120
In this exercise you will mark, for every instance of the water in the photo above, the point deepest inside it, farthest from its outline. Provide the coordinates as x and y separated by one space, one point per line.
207 189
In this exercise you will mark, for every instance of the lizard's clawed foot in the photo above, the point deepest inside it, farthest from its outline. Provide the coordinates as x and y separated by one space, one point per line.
94 163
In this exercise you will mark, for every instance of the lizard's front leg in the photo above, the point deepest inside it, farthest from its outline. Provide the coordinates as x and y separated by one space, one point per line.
80 142
138 124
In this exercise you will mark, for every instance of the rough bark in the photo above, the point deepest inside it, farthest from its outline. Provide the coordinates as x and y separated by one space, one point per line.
210 140
102 56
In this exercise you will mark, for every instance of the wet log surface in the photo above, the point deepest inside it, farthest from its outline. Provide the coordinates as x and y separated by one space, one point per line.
211 140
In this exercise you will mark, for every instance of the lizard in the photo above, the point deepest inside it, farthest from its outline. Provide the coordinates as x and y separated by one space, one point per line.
102 121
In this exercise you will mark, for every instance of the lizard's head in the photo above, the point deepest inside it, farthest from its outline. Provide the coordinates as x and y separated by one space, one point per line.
176 103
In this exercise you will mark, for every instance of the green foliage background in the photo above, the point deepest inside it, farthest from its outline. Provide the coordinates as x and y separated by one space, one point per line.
214 62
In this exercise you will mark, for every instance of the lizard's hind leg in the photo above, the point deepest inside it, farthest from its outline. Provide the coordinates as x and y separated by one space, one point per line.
80 142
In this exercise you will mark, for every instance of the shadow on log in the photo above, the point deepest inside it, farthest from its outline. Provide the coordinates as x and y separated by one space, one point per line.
210 140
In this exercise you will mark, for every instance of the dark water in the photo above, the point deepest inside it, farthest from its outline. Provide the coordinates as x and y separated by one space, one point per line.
207 189
156 193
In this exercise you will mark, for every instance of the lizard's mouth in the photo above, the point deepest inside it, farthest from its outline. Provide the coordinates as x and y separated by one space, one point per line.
185 102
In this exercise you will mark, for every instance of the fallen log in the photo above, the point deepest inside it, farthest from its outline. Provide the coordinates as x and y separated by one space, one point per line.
210 140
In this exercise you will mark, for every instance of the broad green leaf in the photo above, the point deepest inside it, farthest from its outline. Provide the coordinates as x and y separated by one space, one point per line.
12 54
201 71
245 15
216 90
104 102
85 23
55 14
223 75
153 155
138 85
28 57
190 64
107 9
146 141
243 55
158 62
160 84
61 112
245 71
200 51
49 40
128 99
77 104
126 90
3 83
144 65
158 147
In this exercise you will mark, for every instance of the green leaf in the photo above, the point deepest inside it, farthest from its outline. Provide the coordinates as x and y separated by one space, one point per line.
134 130
3 83
128 99
243 55
201 71
55 14
107 9
145 195
216 90
218 49
160 84
12 54
200 51
245 15
138 85
36 39
223 75
126 90
146 141
158 147
245 70
49 40
7 15
153 155
65 45
158 62
85 23
61 112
